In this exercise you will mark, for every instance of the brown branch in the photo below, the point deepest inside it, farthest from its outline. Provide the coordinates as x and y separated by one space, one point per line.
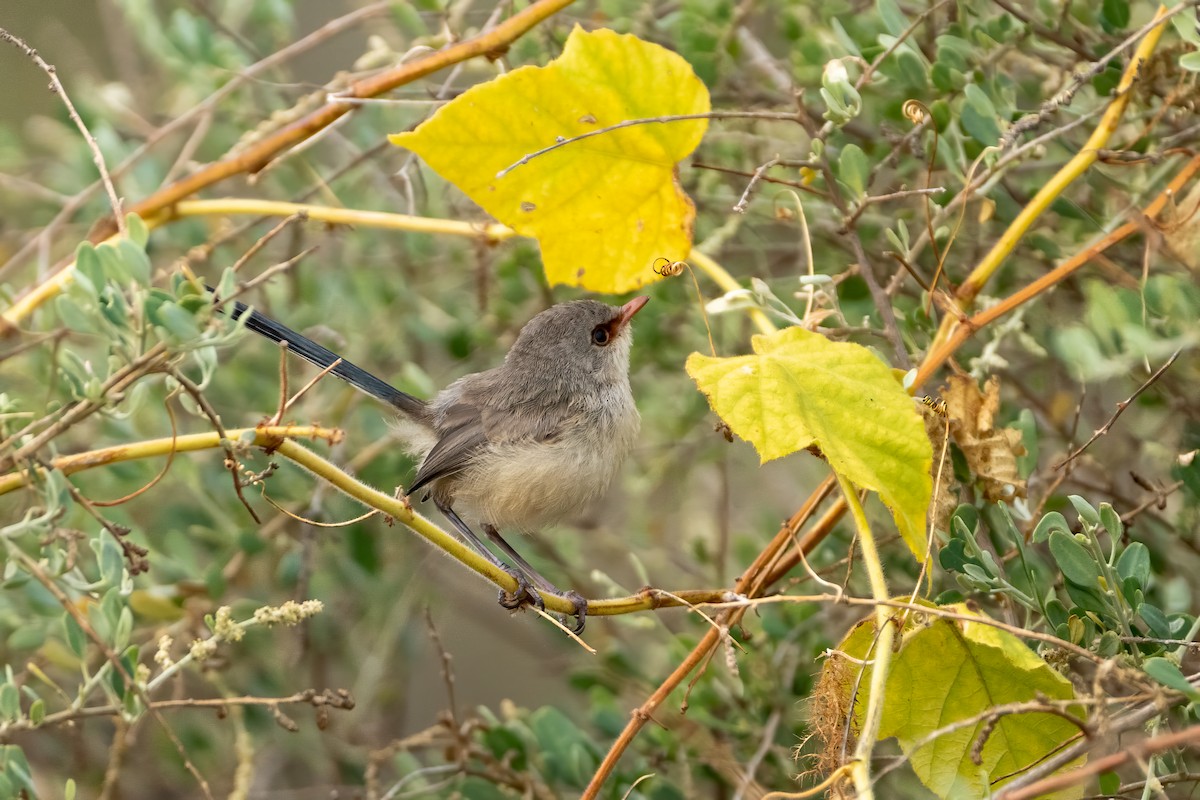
752 584
1188 737
263 151
938 356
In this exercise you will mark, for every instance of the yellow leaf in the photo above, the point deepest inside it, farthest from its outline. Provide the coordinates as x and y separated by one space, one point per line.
604 208
944 671
800 389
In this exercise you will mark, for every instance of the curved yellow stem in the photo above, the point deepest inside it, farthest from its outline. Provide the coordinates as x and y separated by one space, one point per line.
491 233
1057 184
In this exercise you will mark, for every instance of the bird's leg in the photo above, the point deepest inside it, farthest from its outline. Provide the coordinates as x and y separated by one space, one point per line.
575 598
525 592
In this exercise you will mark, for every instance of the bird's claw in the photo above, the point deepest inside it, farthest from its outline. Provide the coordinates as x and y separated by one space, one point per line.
580 609
525 594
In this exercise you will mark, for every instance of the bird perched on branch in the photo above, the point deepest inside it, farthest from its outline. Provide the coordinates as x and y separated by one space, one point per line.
521 446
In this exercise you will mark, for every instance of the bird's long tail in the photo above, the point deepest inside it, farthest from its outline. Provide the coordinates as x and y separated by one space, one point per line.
321 357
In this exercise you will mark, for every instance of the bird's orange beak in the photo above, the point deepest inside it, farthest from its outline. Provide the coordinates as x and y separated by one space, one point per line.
629 309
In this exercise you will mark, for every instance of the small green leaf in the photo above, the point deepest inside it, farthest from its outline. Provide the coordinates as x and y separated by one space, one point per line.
1185 25
10 702
1159 625
27 637
1084 509
1167 673
912 68
76 639
87 264
1114 15
114 266
137 229
1132 591
37 711
177 322
112 562
1056 612
137 263
73 315
17 773
953 52
1134 562
1111 521
978 116
1109 783
123 630
1109 644
1074 560
893 18
853 169
848 44
1053 521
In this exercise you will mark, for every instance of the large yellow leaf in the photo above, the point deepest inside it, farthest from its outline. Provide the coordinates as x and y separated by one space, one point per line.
604 208
800 389
947 670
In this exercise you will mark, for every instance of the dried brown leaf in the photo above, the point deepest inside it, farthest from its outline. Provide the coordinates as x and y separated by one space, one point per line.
991 453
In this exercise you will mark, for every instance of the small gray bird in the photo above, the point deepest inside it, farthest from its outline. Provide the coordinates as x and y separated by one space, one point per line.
523 445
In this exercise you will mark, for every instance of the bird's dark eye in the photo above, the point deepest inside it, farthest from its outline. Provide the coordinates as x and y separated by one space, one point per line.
600 335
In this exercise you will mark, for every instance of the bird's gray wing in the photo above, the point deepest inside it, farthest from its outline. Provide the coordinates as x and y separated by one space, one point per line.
478 411
461 435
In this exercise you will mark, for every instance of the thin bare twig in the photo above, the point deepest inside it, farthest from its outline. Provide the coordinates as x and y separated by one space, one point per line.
1121 406
57 88
629 123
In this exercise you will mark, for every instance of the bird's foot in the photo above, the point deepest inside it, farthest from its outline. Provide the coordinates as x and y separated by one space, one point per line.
580 613
525 594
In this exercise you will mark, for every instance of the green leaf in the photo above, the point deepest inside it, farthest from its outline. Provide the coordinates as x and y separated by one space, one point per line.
112 562
137 229
10 702
136 261
951 670
37 711
1084 509
27 637
178 323
978 666
17 772
1189 61
1114 15
854 169
800 388
1168 674
76 639
1111 521
1159 625
1076 563
893 18
1053 521
73 315
978 116
1134 562
87 264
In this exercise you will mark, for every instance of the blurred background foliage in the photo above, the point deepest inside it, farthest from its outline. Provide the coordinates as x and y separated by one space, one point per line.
528 713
